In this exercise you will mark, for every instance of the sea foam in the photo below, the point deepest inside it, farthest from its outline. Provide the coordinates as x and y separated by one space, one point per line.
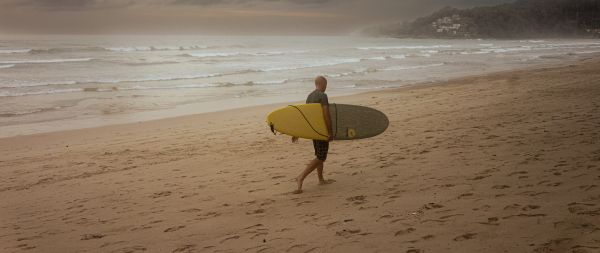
403 47
14 51
7 66
46 61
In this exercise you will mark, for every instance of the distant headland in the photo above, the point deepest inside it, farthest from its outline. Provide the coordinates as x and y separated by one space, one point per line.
520 19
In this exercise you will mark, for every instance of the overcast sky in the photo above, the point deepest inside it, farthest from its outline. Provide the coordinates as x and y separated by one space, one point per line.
213 16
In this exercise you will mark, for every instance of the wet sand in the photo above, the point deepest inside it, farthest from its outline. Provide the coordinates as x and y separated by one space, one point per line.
505 162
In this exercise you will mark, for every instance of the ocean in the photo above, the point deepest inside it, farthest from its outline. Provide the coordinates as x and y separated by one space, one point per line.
65 82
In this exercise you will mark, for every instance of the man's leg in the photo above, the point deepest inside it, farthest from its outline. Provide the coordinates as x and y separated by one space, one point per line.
321 150
322 180
320 173
315 163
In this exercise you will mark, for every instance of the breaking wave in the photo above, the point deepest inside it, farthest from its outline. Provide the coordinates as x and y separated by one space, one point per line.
46 61
7 66
403 47
14 51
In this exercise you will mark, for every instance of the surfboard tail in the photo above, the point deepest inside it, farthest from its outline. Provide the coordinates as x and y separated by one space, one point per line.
272 128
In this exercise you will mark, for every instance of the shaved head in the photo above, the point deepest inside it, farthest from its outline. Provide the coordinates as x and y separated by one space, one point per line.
321 83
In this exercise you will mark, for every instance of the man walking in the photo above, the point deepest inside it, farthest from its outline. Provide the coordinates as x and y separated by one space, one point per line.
321 147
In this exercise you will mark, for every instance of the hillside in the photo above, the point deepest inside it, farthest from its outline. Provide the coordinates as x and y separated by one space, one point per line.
521 19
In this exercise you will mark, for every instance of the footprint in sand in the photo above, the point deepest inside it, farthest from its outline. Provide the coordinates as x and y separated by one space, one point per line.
295 246
304 202
207 215
387 216
445 217
588 187
332 224
91 236
29 238
480 177
257 230
259 234
25 246
190 195
491 221
464 195
518 173
584 249
347 232
327 181
431 206
405 231
259 248
248 203
267 202
530 207
161 194
313 249
357 200
524 186
526 215
130 249
583 209
553 245
467 236
230 238
185 248
428 237
257 211
173 229
255 226
140 228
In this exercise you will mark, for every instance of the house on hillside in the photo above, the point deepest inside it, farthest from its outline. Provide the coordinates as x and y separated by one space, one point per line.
451 26
593 31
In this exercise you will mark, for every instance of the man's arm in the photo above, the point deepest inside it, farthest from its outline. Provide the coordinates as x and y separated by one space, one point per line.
327 117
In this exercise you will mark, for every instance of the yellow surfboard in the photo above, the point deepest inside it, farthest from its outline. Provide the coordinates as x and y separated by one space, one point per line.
304 121
348 122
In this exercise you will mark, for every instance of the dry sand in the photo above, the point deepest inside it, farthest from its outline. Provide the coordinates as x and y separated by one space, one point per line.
506 162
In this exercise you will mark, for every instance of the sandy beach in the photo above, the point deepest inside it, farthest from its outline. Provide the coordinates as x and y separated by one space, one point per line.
504 162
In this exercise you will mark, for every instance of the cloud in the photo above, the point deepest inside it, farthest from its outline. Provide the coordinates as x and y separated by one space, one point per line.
202 2
75 4
215 16
305 2
55 5
385 6
246 2
61 3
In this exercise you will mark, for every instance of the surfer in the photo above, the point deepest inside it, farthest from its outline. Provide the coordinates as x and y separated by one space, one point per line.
321 147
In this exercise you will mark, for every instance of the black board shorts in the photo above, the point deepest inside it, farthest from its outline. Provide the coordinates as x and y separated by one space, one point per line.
321 149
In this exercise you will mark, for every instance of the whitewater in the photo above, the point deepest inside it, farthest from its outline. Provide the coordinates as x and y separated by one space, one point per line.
64 82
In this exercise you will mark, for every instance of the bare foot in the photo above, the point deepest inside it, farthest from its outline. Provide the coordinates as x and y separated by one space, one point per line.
328 181
299 186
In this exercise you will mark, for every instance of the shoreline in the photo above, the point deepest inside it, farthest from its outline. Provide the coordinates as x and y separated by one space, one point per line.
49 127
